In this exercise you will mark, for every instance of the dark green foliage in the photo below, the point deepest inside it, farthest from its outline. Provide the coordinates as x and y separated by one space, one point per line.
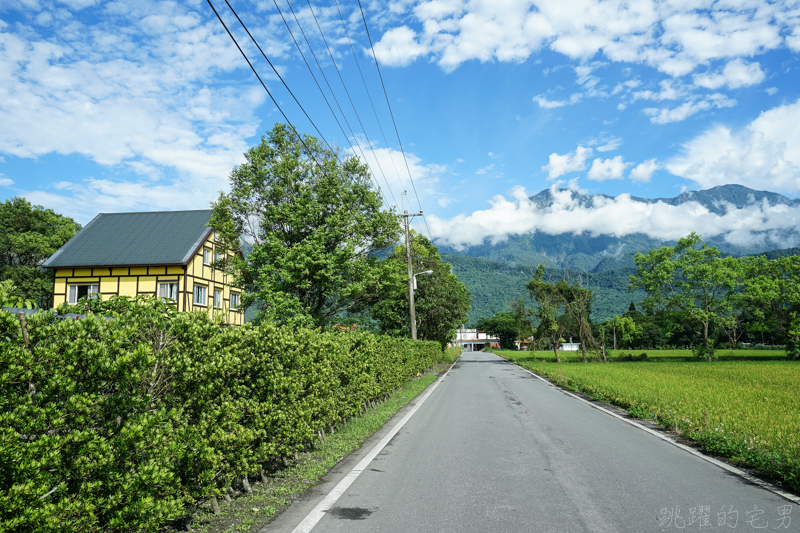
121 425
442 301
503 326
494 284
28 236
314 223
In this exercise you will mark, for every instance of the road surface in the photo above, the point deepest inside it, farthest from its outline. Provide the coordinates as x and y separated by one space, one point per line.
495 449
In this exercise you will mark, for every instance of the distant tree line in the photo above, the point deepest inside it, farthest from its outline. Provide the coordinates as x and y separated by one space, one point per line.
695 298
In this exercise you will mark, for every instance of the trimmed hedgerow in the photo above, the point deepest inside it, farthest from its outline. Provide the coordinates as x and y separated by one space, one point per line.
112 425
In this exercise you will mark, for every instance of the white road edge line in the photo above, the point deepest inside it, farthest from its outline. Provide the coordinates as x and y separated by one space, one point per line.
732 469
322 507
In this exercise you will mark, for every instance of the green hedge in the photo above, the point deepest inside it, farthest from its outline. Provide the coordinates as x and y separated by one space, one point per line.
126 424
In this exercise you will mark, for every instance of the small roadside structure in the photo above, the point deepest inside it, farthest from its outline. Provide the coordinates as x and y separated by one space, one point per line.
164 254
472 340
570 346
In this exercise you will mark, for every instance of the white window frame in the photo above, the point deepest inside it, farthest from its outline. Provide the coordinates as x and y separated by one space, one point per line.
217 299
200 295
206 257
72 297
234 300
217 256
168 290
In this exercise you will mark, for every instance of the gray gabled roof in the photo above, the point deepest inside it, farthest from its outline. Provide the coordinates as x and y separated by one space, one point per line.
135 239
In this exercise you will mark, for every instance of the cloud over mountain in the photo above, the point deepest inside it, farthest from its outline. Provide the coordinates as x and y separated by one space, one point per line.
572 211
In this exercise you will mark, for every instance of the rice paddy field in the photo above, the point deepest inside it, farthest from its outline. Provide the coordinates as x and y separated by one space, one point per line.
744 406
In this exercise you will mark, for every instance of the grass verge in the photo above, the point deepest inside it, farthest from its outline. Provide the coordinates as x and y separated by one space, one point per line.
249 513
745 410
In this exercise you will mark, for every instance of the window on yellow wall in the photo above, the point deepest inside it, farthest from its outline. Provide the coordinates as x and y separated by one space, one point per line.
76 292
234 300
217 298
168 291
217 256
200 295
206 256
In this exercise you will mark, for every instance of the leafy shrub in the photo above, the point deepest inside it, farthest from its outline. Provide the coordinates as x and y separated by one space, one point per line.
124 424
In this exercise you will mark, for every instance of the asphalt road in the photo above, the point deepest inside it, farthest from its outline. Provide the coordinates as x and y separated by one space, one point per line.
494 449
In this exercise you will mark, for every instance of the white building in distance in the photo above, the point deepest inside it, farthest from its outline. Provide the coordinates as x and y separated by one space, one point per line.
472 340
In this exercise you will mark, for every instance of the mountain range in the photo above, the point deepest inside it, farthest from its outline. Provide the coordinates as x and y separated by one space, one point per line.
496 273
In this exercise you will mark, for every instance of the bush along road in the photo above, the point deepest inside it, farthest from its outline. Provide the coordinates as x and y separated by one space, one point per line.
138 422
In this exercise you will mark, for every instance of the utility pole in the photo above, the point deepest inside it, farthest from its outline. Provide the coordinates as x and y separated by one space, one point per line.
411 313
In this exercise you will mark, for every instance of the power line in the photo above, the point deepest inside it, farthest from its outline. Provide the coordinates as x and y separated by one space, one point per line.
281 78
374 112
287 87
332 94
372 47
333 60
289 122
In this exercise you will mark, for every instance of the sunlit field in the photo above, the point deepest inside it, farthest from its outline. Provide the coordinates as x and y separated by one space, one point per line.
744 405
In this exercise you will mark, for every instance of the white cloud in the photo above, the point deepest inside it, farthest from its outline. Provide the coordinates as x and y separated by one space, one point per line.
391 176
128 87
667 92
687 109
484 170
763 155
674 37
563 164
616 217
771 90
644 171
548 104
5 182
399 47
737 73
610 144
607 169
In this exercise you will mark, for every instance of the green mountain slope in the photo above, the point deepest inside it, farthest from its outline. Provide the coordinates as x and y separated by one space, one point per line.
494 284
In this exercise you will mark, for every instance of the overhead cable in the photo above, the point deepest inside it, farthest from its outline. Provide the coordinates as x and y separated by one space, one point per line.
352 49
341 79
386 95
250 64
311 49
287 87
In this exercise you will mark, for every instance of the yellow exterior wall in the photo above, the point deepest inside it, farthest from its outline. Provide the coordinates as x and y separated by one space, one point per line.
132 281
127 287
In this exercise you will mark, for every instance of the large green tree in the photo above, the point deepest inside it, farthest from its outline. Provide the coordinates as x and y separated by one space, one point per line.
503 326
548 304
771 295
577 302
29 234
442 302
313 223
691 282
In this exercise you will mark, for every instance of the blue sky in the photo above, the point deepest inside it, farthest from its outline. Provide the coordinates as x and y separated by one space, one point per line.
139 105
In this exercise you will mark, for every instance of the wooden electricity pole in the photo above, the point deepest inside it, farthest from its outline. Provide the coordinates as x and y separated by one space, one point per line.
411 312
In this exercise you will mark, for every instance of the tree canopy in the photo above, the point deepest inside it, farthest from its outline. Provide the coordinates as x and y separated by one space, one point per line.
29 234
442 302
313 223
691 281
504 326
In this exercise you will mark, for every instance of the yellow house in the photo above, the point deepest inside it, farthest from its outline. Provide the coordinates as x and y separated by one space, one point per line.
168 254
